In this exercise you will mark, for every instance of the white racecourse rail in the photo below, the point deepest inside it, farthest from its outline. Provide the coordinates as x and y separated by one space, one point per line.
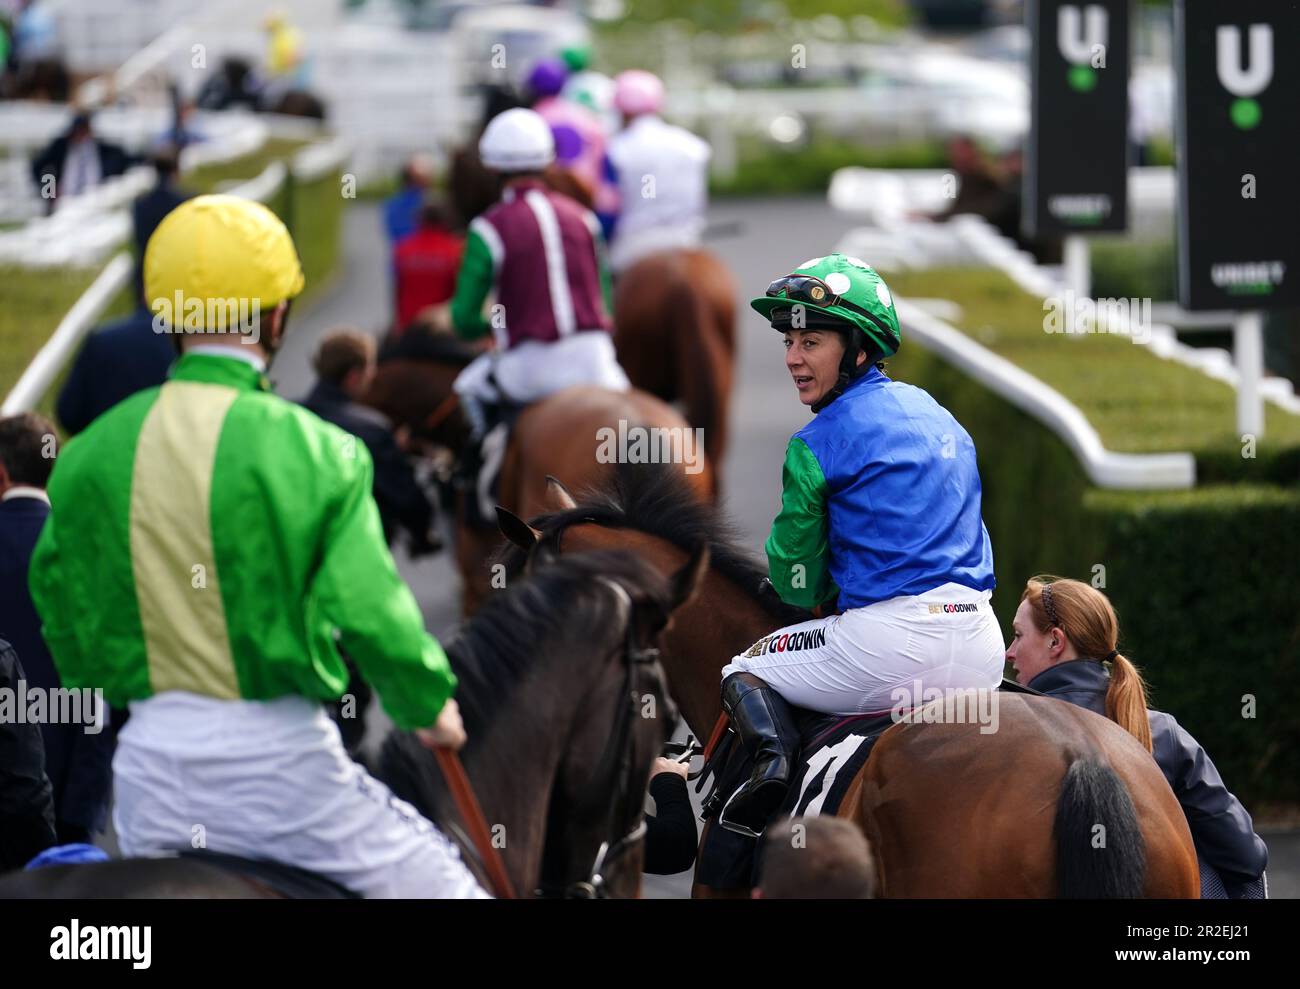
310 163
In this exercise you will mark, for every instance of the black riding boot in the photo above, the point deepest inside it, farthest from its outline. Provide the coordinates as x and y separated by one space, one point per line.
766 728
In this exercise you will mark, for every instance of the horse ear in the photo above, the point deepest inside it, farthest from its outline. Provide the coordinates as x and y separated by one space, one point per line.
686 581
517 530
559 494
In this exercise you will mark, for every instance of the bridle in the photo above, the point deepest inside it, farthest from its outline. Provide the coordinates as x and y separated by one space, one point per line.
616 767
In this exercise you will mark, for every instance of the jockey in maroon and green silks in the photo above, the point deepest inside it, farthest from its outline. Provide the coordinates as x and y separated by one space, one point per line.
541 254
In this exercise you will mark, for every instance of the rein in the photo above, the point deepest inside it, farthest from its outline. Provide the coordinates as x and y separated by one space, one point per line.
442 413
472 814
614 771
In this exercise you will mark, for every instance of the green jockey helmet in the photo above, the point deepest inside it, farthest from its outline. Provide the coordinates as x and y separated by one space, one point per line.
835 292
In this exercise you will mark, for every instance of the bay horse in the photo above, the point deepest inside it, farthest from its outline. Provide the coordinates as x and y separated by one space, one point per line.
675 335
563 701
950 811
563 435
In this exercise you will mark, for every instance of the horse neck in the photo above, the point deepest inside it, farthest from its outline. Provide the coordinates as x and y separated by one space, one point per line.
409 391
515 763
704 634
718 624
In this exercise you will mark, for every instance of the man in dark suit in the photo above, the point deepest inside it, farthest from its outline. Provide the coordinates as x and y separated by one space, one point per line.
345 364
77 763
76 161
150 207
115 362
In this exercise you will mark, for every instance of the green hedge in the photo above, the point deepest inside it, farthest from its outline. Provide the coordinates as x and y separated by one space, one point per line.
1126 269
765 169
1138 402
1203 580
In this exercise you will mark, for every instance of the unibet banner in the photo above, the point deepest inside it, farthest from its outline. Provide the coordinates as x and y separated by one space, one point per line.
1238 153
1076 163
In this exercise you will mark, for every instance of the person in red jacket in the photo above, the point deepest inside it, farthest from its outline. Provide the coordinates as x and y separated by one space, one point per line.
425 263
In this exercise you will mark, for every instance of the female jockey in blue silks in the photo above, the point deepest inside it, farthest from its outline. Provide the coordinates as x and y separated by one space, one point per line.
880 516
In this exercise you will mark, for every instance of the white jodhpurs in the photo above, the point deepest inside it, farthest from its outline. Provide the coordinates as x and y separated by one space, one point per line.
862 662
271 779
532 370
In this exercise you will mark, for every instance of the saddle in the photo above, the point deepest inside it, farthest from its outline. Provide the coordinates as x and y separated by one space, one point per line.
479 470
833 749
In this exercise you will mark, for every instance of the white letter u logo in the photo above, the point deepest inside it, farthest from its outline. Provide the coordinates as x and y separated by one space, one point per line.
1227 52
1076 36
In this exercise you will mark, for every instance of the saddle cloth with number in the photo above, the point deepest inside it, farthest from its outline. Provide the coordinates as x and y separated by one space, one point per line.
835 748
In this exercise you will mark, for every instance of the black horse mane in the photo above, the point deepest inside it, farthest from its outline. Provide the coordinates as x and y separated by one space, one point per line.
510 639
654 499
418 343
506 640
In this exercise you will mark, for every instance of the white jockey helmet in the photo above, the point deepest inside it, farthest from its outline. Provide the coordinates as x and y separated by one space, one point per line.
517 140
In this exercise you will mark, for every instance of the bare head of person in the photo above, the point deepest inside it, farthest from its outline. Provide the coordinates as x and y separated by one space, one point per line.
816 858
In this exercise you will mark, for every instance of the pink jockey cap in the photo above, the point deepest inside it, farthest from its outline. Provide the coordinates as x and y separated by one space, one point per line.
637 91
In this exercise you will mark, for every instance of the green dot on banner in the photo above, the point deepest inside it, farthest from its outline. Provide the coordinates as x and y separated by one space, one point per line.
1246 114
1083 78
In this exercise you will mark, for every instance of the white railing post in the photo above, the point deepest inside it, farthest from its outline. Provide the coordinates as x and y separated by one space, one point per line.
1248 351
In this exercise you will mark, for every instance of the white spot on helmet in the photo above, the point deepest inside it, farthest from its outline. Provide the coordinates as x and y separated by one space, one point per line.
809 263
838 283
882 293
858 262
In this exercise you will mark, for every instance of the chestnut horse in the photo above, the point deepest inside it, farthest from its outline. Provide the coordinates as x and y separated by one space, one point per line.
675 333
1057 801
566 434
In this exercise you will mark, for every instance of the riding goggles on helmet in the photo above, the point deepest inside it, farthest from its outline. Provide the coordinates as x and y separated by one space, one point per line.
814 291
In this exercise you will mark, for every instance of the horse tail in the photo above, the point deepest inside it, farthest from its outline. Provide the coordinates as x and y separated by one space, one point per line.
1100 853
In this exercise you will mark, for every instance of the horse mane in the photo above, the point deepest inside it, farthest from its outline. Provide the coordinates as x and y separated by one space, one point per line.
655 499
419 343
511 638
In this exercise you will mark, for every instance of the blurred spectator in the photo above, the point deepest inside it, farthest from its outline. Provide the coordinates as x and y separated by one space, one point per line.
345 365
425 264
77 763
1005 211
402 210
816 858
26 798
284 55
233 84
150 207
979 186
76 161
182 132
33 66
115 362
670 839
36 33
